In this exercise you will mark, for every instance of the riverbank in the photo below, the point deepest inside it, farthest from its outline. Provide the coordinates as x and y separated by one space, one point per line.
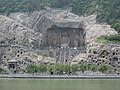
61 76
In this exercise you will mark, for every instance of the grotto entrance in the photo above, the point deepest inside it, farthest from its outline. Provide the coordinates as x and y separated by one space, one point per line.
64 43
12 66
65 37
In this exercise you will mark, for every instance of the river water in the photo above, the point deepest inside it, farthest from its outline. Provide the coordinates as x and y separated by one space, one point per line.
20 84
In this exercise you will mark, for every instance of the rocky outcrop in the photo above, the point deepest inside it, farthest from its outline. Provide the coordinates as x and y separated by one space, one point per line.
15 33
16 40
42 20
62 36
45 20
95 29
27 37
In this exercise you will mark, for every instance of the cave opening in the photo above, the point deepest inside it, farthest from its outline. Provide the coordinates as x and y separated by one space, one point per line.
65 37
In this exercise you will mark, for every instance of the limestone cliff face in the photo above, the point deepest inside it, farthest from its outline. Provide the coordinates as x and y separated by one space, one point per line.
95 29
15 33
24 35
26 19
30 32
45 20
15 37
42 20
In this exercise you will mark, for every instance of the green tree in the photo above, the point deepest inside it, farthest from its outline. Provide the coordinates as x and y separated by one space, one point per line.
51 68
1 70
59 68
74 68
42 68
83 67
117 27
93 68
66 68
31 68
118 69
103 68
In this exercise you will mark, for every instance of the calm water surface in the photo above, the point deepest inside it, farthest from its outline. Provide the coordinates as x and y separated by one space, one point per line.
13 84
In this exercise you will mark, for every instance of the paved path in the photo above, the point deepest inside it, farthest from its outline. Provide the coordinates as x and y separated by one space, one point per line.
61 76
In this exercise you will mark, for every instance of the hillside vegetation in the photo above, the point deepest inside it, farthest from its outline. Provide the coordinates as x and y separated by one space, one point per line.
106 10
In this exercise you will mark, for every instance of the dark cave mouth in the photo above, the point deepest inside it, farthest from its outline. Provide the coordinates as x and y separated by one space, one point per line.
65 37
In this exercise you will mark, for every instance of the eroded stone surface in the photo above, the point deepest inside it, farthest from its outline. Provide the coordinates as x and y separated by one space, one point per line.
53 36
45 20
95 29
48 36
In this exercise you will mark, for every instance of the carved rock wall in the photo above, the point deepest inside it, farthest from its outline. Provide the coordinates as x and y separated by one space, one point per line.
65 37
35 32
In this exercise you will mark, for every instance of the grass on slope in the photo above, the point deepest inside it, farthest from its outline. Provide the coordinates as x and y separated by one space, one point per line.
111 38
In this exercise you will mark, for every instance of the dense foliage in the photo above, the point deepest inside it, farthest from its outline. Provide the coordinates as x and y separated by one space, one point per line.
107 39
1 70
103 68
61 69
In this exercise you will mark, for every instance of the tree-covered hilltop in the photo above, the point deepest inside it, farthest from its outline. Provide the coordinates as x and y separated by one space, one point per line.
78 6
107 10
